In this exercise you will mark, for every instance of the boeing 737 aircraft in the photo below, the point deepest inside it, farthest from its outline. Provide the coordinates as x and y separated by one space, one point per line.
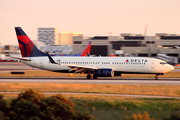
94 66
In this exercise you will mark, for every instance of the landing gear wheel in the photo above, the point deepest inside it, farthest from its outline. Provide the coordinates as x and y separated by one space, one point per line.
95 77
156 77
89 76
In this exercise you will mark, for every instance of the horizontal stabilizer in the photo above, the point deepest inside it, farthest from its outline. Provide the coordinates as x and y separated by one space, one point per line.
25 59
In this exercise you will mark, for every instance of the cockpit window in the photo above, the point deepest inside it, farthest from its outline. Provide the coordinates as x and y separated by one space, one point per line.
163 63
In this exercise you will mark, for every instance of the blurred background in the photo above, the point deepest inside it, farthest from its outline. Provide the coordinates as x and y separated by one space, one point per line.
120 28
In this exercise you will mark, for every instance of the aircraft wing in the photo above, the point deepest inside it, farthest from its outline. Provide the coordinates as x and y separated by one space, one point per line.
81 68
25 59
73 67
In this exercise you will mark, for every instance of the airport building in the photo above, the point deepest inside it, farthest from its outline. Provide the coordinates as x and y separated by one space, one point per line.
10 50
133 44
52 36
49 36
53 49
66 38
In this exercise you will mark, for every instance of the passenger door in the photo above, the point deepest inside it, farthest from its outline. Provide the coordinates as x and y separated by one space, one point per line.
153 64
41 63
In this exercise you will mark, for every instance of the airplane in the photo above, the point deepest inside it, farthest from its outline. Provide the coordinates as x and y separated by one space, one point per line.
86 49
169 59
94 67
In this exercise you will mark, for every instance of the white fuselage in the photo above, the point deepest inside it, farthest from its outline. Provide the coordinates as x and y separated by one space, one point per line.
120 64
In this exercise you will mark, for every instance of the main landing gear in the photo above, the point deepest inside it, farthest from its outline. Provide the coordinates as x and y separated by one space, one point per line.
95 77
89 76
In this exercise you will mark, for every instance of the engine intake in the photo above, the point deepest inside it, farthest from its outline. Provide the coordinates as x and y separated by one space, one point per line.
104 73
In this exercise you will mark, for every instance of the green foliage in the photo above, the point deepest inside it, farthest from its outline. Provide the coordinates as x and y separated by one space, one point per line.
126 117
122 104
175 115
140 116
3 105
4 109
52 108
31 95
25 109
32 105
146 116
1 96
63 99
3 116
134 117
84 116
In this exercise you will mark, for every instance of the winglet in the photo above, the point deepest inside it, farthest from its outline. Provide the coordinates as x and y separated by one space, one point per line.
51 59
88 54
24 59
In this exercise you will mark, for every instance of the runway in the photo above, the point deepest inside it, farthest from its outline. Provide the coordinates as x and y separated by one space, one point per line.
166 81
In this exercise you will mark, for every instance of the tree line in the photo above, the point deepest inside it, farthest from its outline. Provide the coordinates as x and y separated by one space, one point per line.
32 105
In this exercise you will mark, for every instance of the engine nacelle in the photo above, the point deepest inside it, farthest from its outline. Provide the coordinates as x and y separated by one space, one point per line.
104 73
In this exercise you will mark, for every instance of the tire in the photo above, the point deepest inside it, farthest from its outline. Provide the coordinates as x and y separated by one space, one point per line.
95 77
89 77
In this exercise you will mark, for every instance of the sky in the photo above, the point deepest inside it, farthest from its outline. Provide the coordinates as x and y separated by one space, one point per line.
92 17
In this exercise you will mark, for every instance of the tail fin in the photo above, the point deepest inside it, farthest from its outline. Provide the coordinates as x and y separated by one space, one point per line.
27 47
85 50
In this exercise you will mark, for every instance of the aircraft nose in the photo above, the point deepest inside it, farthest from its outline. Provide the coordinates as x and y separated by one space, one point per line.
170 68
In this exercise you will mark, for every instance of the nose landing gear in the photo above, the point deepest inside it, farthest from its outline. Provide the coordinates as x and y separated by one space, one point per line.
156 77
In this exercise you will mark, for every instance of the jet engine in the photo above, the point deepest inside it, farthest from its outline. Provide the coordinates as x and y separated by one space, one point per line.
104 73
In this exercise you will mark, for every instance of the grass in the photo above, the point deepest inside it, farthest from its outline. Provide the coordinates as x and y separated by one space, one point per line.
160 90
115 110
108 107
